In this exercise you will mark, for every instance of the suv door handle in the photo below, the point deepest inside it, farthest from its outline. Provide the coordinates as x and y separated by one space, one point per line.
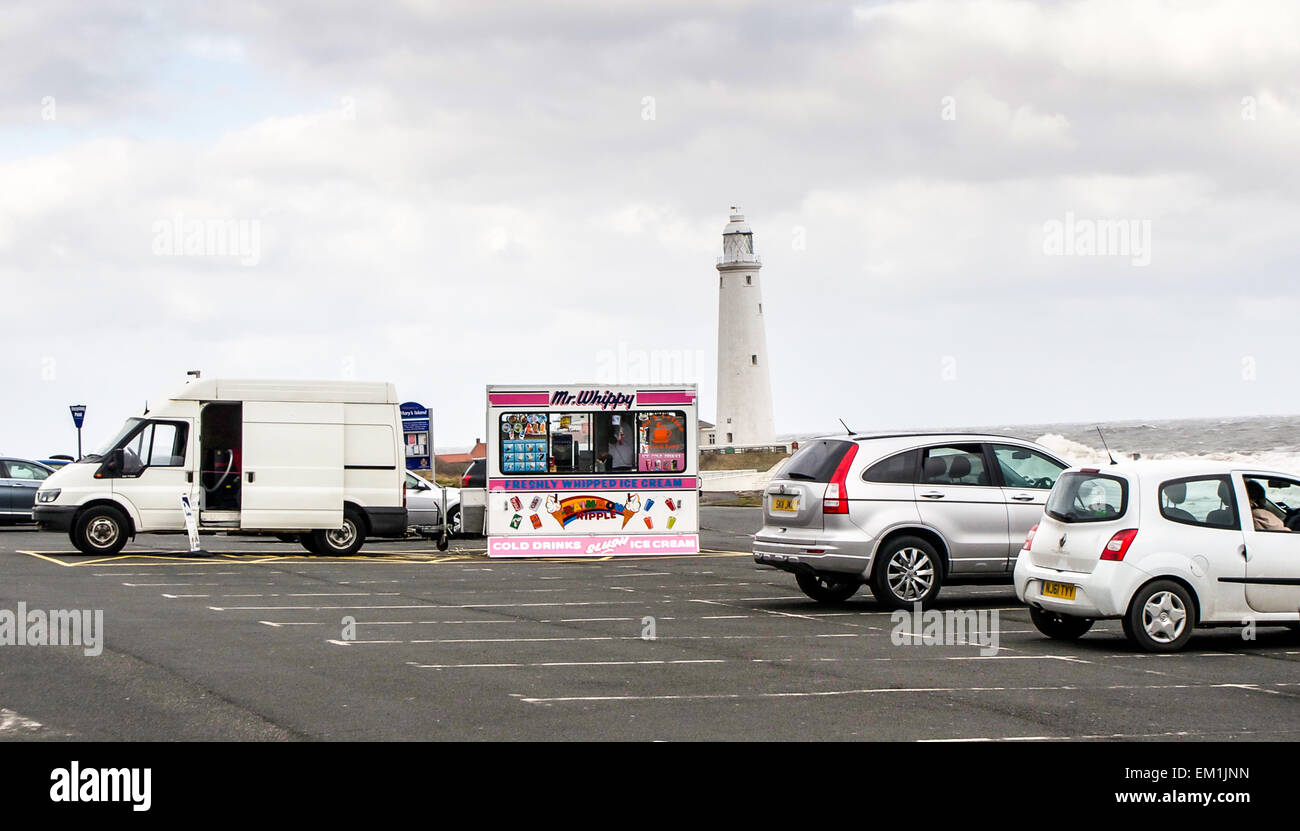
933 495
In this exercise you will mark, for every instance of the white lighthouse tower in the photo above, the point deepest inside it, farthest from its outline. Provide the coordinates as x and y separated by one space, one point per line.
744 390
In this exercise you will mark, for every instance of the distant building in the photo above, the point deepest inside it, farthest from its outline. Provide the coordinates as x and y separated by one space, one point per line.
744 388
478 451
708 435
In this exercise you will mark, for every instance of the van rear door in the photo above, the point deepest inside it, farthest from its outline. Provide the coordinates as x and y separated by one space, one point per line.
292 466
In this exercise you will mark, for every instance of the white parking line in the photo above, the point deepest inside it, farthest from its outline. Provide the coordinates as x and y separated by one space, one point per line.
440 606
11 722
548 664
660 638
880 691
1173 734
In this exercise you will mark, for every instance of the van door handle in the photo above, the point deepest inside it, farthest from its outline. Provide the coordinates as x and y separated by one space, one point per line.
933 495
1023 497
189 476
251 477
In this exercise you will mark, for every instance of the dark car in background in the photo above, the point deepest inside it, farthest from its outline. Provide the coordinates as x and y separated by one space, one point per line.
475 476
19 480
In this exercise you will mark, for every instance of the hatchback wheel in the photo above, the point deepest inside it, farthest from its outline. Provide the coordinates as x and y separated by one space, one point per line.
907 571
1059 626
825 589
1160 617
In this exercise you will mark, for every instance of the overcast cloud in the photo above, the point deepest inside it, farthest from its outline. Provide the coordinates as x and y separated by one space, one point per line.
455 194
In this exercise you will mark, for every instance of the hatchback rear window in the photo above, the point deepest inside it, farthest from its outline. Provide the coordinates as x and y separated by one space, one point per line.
1088 497
816 461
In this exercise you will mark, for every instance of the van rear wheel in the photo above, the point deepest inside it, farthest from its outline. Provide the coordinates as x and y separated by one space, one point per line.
343 541
825 589
101 530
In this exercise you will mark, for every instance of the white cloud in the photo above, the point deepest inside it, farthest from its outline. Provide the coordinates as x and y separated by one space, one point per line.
455 194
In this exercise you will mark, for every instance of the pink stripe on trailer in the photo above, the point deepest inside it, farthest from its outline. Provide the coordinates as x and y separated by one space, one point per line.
670 397
519 399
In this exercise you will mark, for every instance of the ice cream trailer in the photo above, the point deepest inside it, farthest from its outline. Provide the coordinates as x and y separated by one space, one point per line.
592 471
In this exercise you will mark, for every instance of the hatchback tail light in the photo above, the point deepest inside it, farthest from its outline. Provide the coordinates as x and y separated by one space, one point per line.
1118 545
1029 539
836 499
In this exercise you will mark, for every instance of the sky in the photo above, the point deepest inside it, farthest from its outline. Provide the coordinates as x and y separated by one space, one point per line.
969 213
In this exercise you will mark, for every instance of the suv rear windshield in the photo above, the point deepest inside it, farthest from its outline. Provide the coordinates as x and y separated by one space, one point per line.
1088 497
816 461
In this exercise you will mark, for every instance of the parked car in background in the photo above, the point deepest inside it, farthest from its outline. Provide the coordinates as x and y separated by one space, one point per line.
424 505
905 513
1165 547
19 481
475 476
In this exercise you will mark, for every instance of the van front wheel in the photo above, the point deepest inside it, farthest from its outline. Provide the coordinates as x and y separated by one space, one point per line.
101 531
343 541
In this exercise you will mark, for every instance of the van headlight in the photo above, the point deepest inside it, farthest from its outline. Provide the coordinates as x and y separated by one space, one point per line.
45 497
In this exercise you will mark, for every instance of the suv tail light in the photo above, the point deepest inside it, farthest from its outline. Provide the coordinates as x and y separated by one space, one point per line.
403 491
464 478
1029 539
836 499
1118 545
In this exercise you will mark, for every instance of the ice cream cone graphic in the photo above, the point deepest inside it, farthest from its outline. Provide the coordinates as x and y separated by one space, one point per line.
553 508
630 507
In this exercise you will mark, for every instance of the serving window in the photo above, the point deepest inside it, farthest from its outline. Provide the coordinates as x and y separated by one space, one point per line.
650 441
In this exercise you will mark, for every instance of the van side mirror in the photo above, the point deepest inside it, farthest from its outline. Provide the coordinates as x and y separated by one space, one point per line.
111 466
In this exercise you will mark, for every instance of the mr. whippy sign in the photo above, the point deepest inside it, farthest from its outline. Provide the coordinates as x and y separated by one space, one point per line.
604 399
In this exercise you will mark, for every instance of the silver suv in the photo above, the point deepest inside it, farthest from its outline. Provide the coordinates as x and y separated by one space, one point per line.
905 513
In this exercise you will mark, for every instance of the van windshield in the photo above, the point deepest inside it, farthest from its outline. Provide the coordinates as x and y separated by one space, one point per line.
127 429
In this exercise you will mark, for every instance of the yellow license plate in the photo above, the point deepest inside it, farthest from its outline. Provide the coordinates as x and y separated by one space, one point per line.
1065 591
785 503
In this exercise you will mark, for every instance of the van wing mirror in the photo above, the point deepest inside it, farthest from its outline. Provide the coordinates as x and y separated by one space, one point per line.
111 465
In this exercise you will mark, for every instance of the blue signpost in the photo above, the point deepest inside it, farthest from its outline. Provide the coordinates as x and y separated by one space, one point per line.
417 436
78 417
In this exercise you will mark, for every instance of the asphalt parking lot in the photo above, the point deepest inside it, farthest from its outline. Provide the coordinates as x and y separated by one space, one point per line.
255 643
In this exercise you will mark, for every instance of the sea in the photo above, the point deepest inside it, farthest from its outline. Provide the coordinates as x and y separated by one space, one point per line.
1257 441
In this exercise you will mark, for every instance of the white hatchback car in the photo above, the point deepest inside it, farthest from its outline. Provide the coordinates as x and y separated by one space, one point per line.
1165 547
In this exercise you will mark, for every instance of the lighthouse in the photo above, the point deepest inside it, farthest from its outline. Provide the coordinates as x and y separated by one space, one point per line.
744 389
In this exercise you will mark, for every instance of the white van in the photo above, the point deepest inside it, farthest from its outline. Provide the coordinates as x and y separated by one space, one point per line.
321 459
